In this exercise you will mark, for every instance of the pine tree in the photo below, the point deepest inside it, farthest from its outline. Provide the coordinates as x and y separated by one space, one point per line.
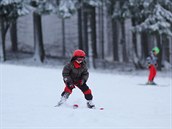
158 21
10 10
41 7
67 8
158 24
142 13
87 22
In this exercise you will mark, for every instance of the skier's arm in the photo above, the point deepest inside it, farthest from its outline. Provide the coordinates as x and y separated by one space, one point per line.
148 60
85 75
66 75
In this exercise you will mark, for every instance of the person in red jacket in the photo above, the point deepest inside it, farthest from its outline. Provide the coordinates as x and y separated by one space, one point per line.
152 65
75 74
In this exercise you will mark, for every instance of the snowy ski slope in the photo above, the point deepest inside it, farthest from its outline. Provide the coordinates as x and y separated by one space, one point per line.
28 96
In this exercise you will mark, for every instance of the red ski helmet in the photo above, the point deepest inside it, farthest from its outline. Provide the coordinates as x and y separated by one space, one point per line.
79 53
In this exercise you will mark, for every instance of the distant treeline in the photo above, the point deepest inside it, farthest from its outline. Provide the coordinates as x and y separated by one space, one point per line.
122 31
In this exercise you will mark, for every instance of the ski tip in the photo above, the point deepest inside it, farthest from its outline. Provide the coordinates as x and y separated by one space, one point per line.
75 106
101 108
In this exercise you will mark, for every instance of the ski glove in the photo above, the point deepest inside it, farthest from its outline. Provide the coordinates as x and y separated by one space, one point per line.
69 83
81 82
72 86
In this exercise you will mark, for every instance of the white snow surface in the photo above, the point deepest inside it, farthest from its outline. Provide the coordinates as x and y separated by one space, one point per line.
28 96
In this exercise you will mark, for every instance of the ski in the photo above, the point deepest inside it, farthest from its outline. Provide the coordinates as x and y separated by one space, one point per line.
61 102
76 106
155 85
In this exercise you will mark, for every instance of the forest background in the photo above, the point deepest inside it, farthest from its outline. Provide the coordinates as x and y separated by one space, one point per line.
113 33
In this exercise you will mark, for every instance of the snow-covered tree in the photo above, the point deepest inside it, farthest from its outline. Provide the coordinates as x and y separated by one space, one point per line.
159 21
86 21
156 21
94 3
69 7
10 10
41 7
146 16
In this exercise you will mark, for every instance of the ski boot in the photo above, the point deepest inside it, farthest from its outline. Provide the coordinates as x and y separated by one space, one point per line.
90 104
151 83
63 99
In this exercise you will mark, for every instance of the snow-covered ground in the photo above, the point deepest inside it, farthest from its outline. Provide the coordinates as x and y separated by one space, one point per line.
28 96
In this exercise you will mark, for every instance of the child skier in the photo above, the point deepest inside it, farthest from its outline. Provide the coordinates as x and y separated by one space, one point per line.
152 65
75 74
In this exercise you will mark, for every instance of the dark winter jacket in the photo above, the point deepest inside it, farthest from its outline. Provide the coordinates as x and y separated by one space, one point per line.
152 59
72 75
